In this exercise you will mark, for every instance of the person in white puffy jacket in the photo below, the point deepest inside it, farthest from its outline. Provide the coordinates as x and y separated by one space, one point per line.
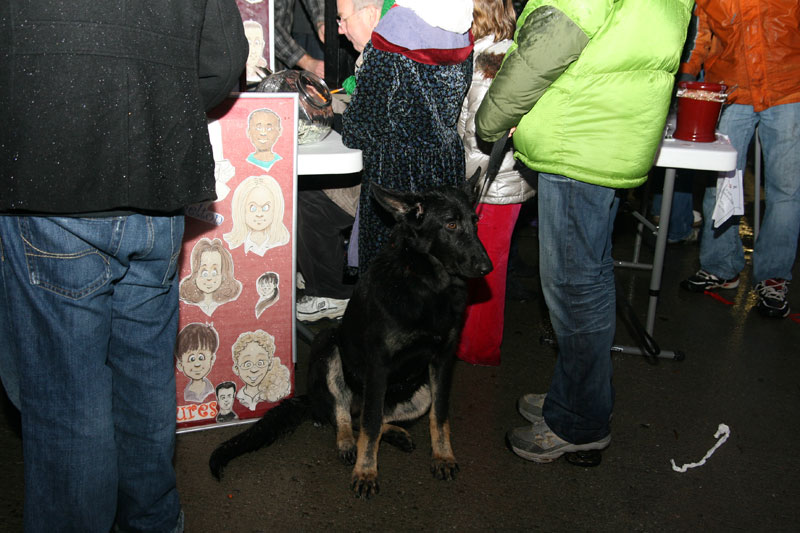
492 27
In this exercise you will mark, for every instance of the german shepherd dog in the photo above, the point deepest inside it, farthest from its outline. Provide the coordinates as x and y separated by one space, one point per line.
391 357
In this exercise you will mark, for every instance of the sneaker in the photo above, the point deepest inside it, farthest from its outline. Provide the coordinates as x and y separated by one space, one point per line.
530 406
694 236
539 444
772 297
300 281
313 308
702 281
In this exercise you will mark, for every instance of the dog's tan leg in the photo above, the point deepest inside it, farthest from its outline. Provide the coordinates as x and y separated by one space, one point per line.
443 461
365 473
342 400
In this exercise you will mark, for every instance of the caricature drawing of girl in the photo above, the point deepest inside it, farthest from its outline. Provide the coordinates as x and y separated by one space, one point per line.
268 291
265 377
257 212
211 282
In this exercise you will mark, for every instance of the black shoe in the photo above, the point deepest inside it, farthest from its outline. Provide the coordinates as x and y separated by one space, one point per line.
772 298
702 281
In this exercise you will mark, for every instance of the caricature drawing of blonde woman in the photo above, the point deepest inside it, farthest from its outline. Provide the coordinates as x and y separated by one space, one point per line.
265 377
267 286
211 282
257 214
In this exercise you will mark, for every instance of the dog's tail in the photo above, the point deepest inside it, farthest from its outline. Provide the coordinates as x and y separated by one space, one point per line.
278 421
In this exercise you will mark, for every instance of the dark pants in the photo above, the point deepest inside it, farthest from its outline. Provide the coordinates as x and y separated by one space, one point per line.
322 228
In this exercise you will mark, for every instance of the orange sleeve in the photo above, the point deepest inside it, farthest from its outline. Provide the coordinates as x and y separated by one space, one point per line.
701 47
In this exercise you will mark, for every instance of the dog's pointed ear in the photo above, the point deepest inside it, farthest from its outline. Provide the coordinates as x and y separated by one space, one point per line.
398 204
471 186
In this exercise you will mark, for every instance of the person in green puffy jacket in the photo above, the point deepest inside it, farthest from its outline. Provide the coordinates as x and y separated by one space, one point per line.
585 90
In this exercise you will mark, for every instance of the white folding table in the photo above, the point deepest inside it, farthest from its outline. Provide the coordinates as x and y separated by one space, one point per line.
328 156
673 154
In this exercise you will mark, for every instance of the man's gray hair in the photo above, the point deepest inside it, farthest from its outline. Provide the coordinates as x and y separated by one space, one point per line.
361 4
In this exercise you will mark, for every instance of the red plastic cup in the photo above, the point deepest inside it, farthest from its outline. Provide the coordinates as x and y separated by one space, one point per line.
697 118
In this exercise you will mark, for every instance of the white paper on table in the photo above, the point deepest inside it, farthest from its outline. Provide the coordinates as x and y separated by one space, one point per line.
730 197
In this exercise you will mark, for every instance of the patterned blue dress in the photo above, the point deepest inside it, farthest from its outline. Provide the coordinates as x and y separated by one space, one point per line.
403 116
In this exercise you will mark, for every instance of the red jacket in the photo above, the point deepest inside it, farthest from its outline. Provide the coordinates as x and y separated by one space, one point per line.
752 44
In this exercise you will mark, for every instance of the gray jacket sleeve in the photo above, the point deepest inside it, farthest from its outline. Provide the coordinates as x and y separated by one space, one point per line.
547 43
223 51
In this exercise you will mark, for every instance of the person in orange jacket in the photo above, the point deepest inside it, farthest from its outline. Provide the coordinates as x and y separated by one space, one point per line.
753 47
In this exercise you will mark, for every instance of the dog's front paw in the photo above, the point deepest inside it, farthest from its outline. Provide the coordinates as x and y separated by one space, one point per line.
365 484
444 468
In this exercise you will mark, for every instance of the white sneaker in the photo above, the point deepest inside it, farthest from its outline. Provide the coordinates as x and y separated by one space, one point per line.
313 308
300 281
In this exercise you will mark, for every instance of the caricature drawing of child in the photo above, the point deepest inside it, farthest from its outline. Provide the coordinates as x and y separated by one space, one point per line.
226 392
268 291
195 352
265 377
211 282
257 212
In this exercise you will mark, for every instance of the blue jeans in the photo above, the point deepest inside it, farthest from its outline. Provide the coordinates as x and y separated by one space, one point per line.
681 216
775 249
577 273
92 305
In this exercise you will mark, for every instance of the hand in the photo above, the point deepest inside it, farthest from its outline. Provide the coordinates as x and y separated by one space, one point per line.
321 32
313 65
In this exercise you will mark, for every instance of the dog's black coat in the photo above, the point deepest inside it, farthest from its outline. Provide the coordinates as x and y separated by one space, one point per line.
391 358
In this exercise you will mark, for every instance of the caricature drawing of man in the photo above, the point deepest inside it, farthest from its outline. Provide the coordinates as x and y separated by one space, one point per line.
263 130
255 58
226 392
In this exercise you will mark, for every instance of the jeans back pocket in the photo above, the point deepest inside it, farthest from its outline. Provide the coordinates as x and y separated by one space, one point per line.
63 256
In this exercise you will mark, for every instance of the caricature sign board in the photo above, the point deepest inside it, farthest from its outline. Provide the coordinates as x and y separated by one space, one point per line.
236 343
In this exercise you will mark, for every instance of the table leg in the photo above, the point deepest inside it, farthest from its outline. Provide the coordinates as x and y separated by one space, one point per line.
661 246
657 270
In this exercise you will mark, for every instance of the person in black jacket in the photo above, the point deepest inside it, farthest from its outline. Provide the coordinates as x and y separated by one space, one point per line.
103 142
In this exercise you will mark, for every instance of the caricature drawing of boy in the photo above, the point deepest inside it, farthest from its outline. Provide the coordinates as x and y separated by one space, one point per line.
211 282
268 291
226 392
263 130
257 211
195 352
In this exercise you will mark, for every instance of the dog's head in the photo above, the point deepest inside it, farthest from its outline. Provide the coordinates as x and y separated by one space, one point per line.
441 223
